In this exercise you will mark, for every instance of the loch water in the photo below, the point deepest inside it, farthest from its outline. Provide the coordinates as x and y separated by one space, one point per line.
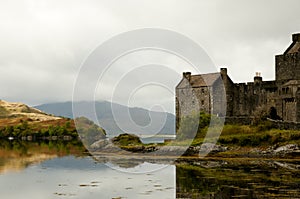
42 170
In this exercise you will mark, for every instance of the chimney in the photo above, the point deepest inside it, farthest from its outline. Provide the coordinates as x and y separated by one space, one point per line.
296 37
257 78
223 72
187 75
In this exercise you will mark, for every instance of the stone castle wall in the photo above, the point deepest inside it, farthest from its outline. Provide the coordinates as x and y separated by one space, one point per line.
239 101
287 67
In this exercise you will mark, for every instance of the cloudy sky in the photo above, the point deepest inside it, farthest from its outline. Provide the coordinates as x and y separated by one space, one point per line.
43 44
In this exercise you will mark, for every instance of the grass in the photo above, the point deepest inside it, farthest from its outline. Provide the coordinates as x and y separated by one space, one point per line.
262 135
3 111
255 136
26 127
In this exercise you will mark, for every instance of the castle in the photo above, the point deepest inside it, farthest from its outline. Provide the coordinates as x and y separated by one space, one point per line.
216 93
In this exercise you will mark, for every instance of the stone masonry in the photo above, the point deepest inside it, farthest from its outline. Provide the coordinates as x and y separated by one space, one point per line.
216 93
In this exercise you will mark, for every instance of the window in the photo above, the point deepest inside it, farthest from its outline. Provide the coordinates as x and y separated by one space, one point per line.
202 102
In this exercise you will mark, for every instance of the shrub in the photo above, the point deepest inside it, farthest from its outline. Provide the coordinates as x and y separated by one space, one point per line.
245 141
126 140
265 138
295 136
265 126
194 125
277 138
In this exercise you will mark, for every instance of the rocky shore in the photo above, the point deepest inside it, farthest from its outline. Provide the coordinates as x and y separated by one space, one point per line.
206 149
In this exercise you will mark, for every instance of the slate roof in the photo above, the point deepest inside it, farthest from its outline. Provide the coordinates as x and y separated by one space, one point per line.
294 48
204 79
201 80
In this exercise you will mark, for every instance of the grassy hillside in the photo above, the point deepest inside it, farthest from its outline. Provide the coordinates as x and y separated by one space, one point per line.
19 121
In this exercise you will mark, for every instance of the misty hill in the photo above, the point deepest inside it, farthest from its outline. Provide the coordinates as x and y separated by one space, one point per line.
131 120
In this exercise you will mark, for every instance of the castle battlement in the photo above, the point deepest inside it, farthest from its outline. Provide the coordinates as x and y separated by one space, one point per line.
244 99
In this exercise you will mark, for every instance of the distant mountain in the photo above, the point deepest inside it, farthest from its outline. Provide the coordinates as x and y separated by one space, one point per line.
119 119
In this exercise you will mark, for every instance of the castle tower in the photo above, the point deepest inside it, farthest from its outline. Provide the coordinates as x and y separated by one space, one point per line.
288 64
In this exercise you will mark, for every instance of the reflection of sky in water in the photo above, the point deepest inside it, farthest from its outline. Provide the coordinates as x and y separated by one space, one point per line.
71 177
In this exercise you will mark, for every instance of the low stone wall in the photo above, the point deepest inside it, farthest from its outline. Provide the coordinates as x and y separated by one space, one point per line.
285 125
279 124
244 120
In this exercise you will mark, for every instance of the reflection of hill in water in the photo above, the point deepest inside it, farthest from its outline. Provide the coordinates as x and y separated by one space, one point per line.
16 156
19 163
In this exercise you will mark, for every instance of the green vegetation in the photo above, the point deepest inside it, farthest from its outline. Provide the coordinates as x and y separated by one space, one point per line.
64 128
89 132
132 143
193 125
127 140
263 133
234 177
38 130
22 122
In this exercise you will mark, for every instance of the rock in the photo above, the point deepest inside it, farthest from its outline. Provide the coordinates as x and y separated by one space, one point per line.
287 165
210 164
111 148
99 144
210 147
171 150
289 148
150 149
192 150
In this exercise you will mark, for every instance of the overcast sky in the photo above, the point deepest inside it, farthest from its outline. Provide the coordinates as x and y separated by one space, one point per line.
44 43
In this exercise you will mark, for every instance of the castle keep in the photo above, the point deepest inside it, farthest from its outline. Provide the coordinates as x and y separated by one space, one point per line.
216 93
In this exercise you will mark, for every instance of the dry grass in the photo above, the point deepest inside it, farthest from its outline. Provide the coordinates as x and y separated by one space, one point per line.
15 113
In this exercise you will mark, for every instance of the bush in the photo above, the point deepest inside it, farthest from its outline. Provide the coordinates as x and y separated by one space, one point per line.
265 126
245 141
295 136
126 140
194 125
277 138
265 138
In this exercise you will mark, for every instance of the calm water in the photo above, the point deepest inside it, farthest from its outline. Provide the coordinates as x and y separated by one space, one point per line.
65 170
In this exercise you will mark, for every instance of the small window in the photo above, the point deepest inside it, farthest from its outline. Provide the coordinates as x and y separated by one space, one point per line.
202 90
202 102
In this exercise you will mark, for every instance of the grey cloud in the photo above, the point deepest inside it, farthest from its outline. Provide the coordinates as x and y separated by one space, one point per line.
44 43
